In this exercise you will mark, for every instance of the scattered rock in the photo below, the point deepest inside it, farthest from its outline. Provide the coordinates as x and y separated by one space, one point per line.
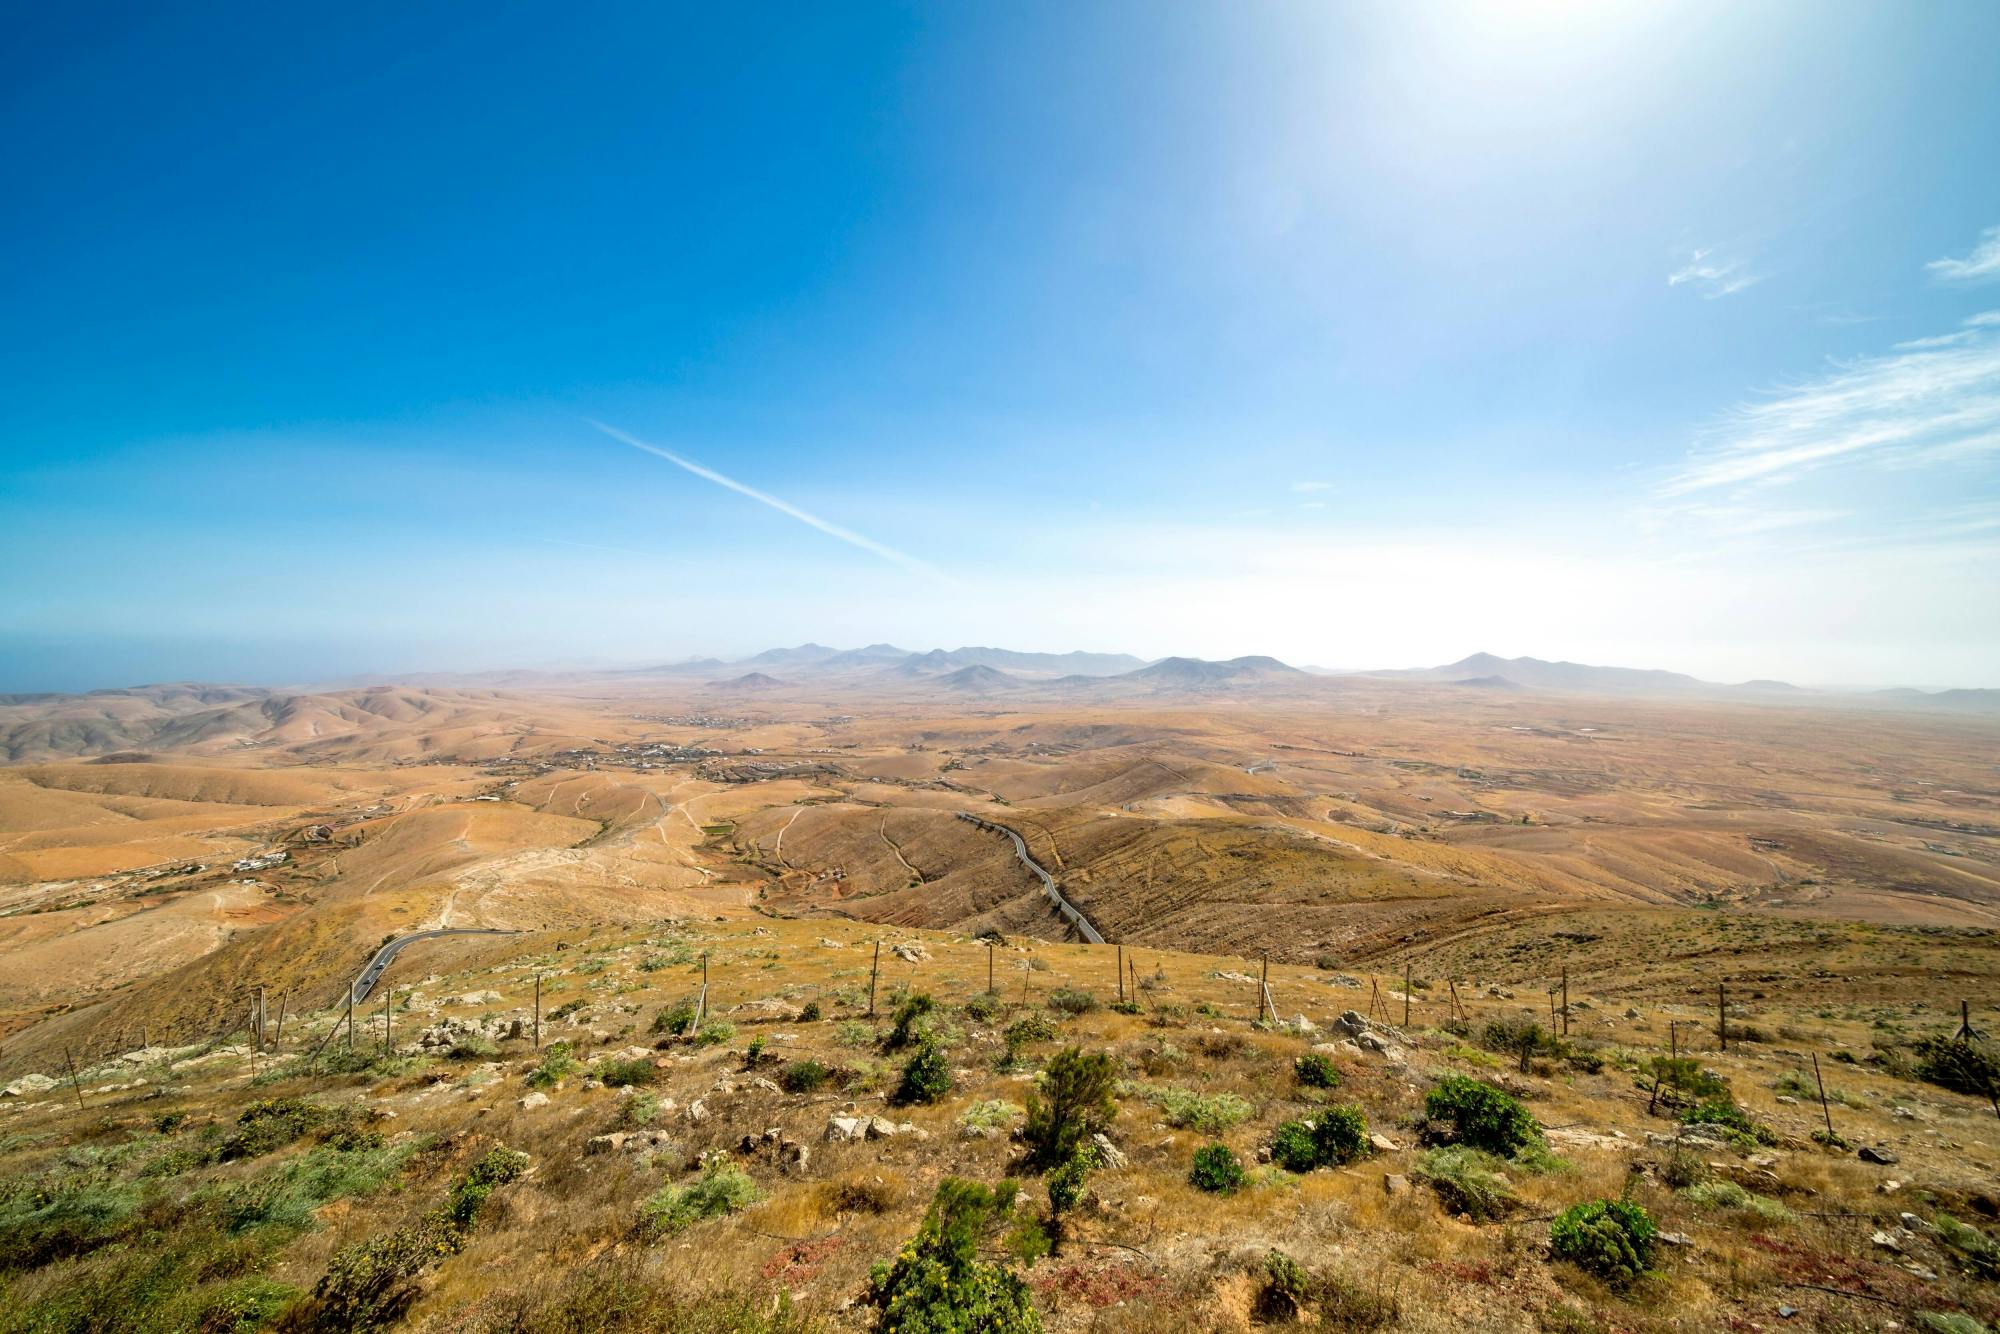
1786 1100
535 1099
1394 1183
1676 1239
27 1084
475 998
1886 1242
1868 1153
1888 1188
845 1128
1383 1144
1631 1012
1109 1156
630 1141
910 952
697 1111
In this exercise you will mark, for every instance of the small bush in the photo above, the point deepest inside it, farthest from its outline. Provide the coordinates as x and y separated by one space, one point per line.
1029 1028
910 1022
853 1033
1208 1113
984 1007
1519 1037
803 1076
677 1020
557 1065
1216 1170
1479 1115
926 1076
635 1073
990 1115
1340 1134
1609 1238
1293 1147
1071 1001
1468 1181
1726 1114
473 1047
715 1033
1980 1252
1316 1070
1286 1289
1961 1065
1073 1101
722 1188
937 1283
809 1012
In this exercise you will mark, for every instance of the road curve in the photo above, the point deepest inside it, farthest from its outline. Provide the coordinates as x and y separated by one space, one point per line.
358 990
1063 905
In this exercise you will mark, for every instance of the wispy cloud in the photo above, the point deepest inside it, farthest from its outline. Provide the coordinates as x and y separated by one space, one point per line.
1712 275
811 520
1313 505
1919 405
1982 265
1986 319
1304 487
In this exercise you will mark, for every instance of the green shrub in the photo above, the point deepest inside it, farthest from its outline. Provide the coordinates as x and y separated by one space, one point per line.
938 1285
1961 1065
926 1075
1216 1170
1609 1238
287 1195
677 1020
1208 1113
1285 1291
1071 1001
1065 1183
473 1047
1072 1101
369 1285
989 1115
722 1188
715 1033
567 1010
803 1076
1029 1028
910 1022
984 1007
1980 1252
1468 1181
1293 1147
1725 1113
1519 1037
556 1065
853 1033
1340 1134
809 1012
1316 1070
1481 1116
635 1073
641 1109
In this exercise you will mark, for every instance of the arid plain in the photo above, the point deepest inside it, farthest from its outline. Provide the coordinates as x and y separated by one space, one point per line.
1349 819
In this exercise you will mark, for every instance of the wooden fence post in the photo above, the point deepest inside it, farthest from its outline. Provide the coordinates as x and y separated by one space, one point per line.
1823 1109
874 969
75 1083
350 1020
1722 1016
1121 972
1406 993
1565 985
278 1037
538 1011
1263 983
387 998
989 969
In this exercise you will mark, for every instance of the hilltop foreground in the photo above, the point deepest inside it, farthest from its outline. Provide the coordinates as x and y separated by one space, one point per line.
745 1170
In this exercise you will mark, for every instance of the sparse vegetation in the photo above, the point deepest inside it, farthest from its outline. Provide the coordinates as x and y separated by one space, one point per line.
1216 1170
1612 1239
937 1284
1466 1111
721 1188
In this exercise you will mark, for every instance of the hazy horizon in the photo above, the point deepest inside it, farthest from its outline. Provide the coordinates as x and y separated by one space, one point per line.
1359 335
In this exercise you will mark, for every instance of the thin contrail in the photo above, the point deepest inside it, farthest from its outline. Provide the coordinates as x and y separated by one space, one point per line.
846 535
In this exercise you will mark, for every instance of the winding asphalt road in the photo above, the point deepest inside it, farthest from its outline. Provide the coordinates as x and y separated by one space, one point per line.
1063 905
358 990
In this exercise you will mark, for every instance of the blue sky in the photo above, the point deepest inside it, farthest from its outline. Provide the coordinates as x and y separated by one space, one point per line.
1364 335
